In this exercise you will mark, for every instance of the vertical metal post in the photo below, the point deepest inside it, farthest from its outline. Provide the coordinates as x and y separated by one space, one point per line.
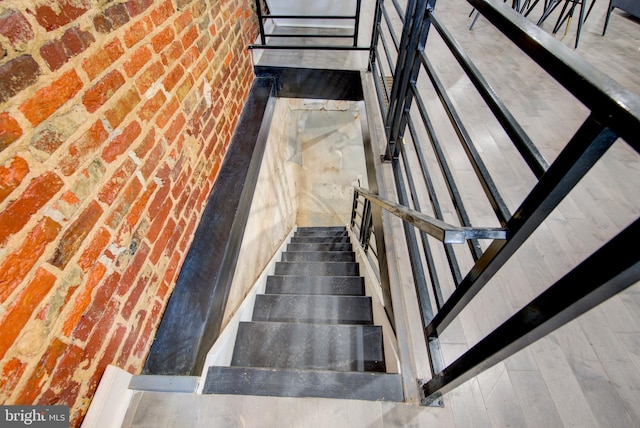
375 34
357 24
263 39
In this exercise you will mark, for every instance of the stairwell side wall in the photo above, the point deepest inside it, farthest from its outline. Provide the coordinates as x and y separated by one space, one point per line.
114 119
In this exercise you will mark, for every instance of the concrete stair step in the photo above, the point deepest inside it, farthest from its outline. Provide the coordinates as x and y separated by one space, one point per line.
320 233
329 285
309 346
317 268
304 383
320 239
313 309
312 229
319 256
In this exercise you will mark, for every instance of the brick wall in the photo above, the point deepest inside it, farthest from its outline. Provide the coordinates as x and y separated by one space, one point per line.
114 119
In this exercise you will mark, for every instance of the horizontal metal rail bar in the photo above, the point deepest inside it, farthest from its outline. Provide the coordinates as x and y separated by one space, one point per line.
309 16
312 47
605 273
312 36
530 153
432 226
608 100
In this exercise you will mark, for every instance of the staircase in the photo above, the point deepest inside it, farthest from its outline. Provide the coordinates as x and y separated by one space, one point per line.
312 332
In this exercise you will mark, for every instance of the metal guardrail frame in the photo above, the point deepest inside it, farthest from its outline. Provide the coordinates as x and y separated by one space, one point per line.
615 113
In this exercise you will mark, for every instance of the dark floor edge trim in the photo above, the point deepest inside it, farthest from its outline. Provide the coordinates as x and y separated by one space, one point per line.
193 317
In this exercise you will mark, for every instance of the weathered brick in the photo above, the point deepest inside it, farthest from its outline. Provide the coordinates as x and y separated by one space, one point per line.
137 31
95 64
76 41
129 195
95 310
162 241
48 99
83 146
135 291
22 309
15 27
167 112
83 298
111 18
11 175
123 107
153 160
158 222
35 196
173 77
10 130
16 75
137 210
162 12
110 190
131 339
172 53
106 87
11 374
59 14
32 388
190 36
162 39
170 276
136 7
54 54
107 356
149 76
132 270
185 87
121 142
140 57
75 235
146 144
152 322
176 127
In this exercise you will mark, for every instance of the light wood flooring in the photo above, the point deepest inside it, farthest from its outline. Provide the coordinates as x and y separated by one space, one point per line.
586 374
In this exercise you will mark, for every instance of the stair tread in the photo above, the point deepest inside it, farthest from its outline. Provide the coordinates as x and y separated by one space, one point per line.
313 309
321 228
318 256
317 268
330 285
309 346
319 246
304 383
320 239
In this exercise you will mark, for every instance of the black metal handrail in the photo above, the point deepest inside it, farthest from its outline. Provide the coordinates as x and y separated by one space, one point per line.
262 17
396 64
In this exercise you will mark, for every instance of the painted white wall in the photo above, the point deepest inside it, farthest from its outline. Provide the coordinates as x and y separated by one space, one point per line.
310 7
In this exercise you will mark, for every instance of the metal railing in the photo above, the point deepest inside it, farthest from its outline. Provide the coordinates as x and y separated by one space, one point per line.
264 16
397 61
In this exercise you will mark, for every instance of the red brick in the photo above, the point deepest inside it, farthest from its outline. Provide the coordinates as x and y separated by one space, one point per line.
162 12
153 160
110 190
173 77
128 197
98 243
76 41
132 270
82 299
121 142
111 18
139 206
42 371
176 127
108 356
15 27
162 39
11 374
184 196
146 144
159 220
134 293
54 54
183 21
172 53
162 241
75 235
149 76
95 310
101 333
83 146
167 112
190 56
95 64
100 93
170 275
48 99
123 107
12 175
137 32
188 234
200 68
34 197
136 7
184 88
25 304
10 130
152 106
189 37
132 337
152 322
60 14
138 59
